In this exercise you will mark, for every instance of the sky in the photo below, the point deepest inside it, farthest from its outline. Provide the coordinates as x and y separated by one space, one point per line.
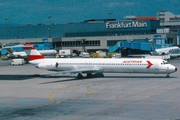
76 11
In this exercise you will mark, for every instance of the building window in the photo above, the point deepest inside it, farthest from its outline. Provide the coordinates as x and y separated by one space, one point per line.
77 43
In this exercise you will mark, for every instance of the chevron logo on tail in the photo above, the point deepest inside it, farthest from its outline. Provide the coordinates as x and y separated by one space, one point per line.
31 52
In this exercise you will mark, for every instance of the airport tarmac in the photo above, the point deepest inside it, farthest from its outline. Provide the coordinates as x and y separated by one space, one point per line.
26 96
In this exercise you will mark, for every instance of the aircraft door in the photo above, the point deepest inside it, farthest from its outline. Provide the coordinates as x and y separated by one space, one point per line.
156 66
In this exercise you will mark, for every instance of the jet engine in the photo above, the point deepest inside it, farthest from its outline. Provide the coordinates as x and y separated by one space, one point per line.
47 66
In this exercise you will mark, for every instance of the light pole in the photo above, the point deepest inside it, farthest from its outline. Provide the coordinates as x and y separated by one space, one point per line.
49 29
110 13
83 43
7 20
49 17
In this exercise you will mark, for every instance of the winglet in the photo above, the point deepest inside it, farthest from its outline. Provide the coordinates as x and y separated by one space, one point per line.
31 52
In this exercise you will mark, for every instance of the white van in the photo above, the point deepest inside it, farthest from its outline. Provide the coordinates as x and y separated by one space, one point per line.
85 55
17 62
116 56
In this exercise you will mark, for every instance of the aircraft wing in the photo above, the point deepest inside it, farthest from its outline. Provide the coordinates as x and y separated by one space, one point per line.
139 55
164 57
83 70
174 54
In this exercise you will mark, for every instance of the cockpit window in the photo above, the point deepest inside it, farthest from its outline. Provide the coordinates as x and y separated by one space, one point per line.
164 62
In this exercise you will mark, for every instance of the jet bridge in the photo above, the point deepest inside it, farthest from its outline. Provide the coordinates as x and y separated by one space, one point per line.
143 45
138 45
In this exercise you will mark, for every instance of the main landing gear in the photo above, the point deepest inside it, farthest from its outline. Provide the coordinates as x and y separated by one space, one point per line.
90 75
79 76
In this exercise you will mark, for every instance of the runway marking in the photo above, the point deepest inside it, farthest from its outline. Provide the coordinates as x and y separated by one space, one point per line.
50 96
87 89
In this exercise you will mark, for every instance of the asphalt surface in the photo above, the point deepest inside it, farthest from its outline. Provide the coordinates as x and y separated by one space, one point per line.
24 95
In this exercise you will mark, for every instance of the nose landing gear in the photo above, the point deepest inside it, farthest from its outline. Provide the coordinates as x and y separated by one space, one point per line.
167 76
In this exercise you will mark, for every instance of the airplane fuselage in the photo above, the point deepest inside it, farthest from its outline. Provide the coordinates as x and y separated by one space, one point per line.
168 50
173 51
24 55
106 65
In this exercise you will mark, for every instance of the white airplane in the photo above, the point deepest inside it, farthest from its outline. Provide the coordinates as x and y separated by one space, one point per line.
98 65
13 54
171 51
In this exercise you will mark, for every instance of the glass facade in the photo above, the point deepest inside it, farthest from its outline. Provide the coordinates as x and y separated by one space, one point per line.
77 43
115 28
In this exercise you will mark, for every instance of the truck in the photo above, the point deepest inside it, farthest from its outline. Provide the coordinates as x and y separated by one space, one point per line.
116 56
65 53
17 62
101 54
84 55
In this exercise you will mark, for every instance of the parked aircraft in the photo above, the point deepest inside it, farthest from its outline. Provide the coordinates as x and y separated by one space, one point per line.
171 51
98 65
13 54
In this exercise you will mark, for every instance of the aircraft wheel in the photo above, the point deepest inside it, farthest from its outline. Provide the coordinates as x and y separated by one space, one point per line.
79 76
167 76
99 74
89 75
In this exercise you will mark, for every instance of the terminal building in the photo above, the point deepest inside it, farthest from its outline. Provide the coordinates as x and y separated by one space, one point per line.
94 34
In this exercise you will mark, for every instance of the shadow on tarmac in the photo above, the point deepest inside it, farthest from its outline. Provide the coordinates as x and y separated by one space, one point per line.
57 81
86 78
26 77
16 77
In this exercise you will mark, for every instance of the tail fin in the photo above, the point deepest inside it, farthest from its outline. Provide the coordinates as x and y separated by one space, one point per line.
31 52
152 45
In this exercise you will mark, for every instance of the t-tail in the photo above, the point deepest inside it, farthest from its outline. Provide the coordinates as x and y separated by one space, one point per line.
31 52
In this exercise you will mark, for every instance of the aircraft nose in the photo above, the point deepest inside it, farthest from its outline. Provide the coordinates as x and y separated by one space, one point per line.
175 68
